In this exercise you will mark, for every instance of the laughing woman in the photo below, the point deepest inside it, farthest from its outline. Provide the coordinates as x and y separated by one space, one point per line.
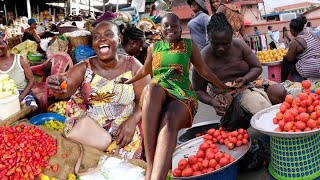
96 89
169 102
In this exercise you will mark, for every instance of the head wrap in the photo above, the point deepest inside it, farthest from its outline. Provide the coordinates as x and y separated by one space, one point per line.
31 21
107 16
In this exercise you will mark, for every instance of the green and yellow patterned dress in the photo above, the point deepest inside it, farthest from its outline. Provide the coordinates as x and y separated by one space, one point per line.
170 67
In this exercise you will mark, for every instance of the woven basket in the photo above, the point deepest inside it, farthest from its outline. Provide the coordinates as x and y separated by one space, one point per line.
295 158
80 40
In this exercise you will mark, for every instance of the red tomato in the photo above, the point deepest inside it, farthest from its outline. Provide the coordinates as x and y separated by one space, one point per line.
224 161
240 137
230 145
217 166
211 131
218 156
200 154
213 163
275 121
294 112
300 125
286 104
224 136
200 159
187 172
210 169
234 133
210 156
239 143
288 117
289 99
279 115
283 108
241 131
214 140
310 108
192 159
213 146
288 126
207 137
176 172
233 140
278 129
55 167
314 116
306 84
204 146
197 173
204 171
205 163
304 117
182 164
307 129
317 91
246 136
209 142
311 123
318 112
209 150
195 167
302 110
315 97
216 133
226 155
244 141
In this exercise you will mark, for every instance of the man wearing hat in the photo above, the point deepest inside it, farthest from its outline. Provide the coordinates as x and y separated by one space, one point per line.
198 24
30 33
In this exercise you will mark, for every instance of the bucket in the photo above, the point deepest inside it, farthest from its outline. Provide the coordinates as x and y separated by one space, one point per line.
295 158
9 106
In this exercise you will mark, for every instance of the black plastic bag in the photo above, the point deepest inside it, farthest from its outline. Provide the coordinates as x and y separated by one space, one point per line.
235 116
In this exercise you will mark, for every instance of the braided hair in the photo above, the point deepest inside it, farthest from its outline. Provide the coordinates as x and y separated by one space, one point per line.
298 23
132 33
219 23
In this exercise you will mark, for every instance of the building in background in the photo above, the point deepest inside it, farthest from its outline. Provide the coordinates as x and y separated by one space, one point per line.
298 8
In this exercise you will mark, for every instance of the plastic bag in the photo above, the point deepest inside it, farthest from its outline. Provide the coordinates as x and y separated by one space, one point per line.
257 157
235 116
83 52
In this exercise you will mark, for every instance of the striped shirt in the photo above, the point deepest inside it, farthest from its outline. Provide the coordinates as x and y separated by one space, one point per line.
308 64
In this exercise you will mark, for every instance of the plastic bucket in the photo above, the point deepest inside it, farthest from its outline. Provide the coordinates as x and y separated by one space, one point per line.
9 106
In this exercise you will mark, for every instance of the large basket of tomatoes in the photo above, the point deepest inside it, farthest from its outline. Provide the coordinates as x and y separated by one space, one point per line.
212 156
294 127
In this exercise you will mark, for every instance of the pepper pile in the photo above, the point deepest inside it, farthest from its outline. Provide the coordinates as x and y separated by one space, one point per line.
24 150
54 125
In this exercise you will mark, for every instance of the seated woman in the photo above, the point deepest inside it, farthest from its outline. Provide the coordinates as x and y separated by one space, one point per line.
233 61
303 54
30 33
20 71
96 89
169 102
132 41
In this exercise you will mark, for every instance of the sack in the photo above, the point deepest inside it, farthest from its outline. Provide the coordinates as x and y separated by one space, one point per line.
87 131
235 116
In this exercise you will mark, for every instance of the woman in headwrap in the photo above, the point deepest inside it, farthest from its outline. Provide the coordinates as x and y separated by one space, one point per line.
30 33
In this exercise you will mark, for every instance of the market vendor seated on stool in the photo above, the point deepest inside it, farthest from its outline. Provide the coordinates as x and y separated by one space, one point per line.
30 33
19 70
233 61
95 88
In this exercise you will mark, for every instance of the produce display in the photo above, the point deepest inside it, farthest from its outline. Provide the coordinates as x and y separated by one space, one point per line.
209 158
54 125
59 108
300 114
7 86
271 55
24 151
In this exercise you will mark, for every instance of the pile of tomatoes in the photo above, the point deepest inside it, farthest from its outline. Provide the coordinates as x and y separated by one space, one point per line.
300 114
24 150
209 158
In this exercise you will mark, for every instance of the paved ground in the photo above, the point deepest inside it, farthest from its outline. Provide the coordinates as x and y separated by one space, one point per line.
206 113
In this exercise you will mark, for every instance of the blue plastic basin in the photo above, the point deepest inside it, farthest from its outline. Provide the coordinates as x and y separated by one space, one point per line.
40 119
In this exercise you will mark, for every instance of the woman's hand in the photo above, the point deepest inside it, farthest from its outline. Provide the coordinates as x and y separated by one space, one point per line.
55 83
240 82
219 104
125 132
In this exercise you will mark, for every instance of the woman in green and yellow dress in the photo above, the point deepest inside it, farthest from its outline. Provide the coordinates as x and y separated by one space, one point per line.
168 102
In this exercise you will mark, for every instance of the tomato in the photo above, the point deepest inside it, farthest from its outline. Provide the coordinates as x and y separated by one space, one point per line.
213 163
221 141
219 138
210 156
226 155
306 84
239 143
244 141
200 154
307 129
204 171
211 131
303 96
240 137
233 140
224 136
176 172
207 137
283 108
289 98
224 161
182 164
288 117
218 156
278 129
311 123
209 150
241 131
317 91
204 146
287 105
314 116
209 142
216 133
55 167
230 145
214 140
304 103
187 172
310 108
210 169
315 97
197 173
234 133
300 125
195 167
192 159
205 163
275 121
246 136
302 110
217 166
200 159
294 112
213 146
304 117
288 126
